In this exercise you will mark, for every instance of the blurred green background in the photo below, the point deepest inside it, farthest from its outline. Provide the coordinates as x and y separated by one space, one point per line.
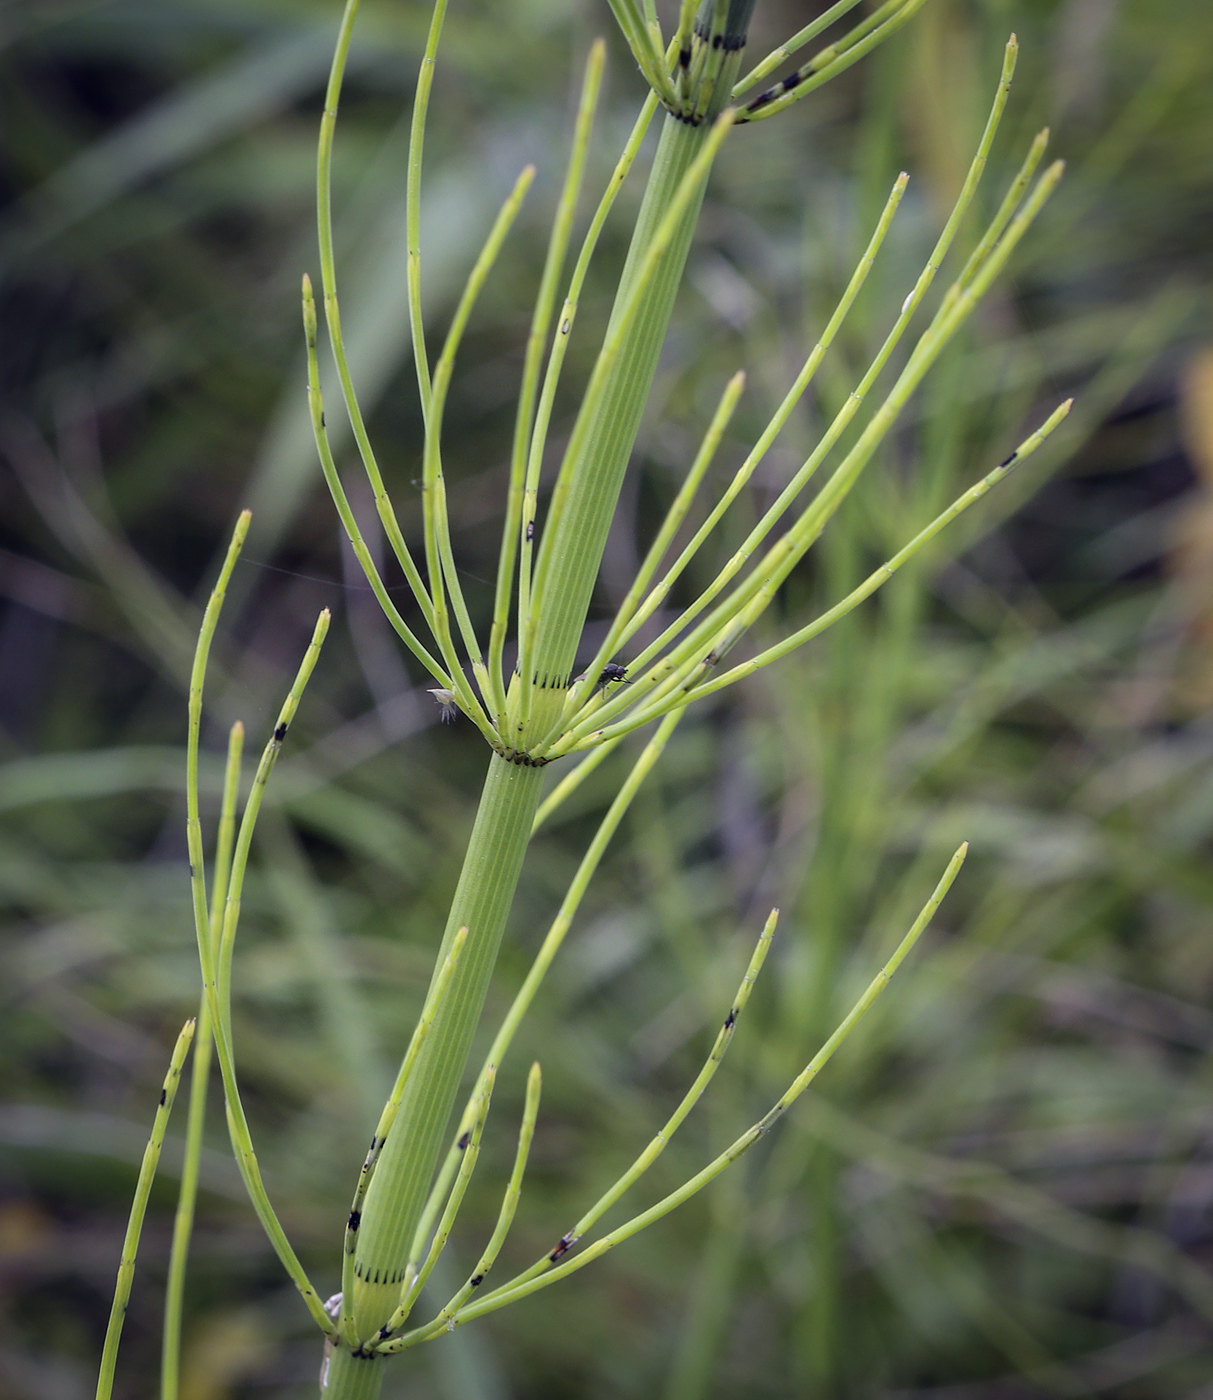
1003 1187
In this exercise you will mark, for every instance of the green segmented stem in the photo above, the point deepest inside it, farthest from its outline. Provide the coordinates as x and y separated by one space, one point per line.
405 1203
469 1146
592 472
350 1375
541 321
406 1166
134 1227
387 1119
539 968
551 380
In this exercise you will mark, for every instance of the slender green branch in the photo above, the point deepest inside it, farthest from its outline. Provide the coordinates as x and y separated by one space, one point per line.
134 1227
217 981
708 639
332 314
509 1202
421 105
834 59
765 441
647 48
719 632
345 511
619 628
513 1292
572 780
187 1196
855 400
877 579
439 557
556 357
193 819
658 1145
541 321
881 576
792 46
1006 210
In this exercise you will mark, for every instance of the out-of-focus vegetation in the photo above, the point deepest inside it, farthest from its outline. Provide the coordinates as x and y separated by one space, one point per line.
1004 1187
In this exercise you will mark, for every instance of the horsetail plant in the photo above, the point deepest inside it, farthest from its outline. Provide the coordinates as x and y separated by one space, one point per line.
537 710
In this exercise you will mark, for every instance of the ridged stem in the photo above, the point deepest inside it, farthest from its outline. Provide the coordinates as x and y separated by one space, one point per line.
592 473
349 1377
408 1158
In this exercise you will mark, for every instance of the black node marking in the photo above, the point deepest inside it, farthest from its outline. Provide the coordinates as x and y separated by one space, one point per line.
761 100
793 80
734 42
1009 460
530 529
163 1097
717 41
731 1019
355 1220
476 1280
464 1139
566 1243
323 424
280 732
684 57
